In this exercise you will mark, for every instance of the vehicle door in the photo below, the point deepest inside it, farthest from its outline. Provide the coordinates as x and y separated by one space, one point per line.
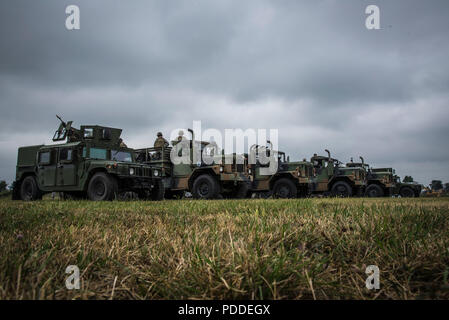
66 169
322 175
47 168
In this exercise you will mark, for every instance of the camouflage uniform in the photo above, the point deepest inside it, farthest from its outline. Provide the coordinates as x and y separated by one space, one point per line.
160 142
122 144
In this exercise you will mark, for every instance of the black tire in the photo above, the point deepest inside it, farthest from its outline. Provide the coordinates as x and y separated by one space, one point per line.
341 189
284 189
158 191
407 192
205 187
102 187
374 191
29 190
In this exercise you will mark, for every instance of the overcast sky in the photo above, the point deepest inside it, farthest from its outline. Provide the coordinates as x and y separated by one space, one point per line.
310 69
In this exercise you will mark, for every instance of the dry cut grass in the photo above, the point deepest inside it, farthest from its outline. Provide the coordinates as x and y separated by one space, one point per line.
225 249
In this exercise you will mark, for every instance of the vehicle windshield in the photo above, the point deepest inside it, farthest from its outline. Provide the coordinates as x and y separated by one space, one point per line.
97 153
122 156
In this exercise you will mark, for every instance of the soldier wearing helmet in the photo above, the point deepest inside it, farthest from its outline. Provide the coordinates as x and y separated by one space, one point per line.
160 141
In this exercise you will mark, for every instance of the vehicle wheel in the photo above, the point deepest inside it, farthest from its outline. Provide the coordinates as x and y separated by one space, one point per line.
284 188
341 189
205 187
157 193
407 192
29 190
102 187
374 191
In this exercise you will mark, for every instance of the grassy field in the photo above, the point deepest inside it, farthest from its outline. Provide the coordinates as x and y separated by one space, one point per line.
242 249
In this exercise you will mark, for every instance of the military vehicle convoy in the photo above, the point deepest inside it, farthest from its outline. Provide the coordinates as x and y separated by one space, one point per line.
92 162
227 177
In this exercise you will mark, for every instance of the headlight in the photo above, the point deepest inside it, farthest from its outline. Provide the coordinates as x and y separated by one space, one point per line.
221 169
249 171
131 171
156 173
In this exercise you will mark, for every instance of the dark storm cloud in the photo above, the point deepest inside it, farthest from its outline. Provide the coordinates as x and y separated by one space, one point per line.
309 68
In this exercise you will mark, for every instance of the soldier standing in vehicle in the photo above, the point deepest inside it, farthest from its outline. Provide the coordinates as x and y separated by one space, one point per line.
160 141
122 144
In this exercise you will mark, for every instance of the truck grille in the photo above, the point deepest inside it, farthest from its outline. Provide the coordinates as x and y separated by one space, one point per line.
142 172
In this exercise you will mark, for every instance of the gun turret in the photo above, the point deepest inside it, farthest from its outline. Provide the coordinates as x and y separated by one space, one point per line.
61 133
65 130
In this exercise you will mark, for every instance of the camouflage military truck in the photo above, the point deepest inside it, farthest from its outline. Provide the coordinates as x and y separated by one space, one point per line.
383 182
204 180
406 189
379 181
292 179
334 179
91 162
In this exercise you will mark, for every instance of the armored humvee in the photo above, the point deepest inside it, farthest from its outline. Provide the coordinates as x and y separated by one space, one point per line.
91 162
216 179
334 179
291 180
